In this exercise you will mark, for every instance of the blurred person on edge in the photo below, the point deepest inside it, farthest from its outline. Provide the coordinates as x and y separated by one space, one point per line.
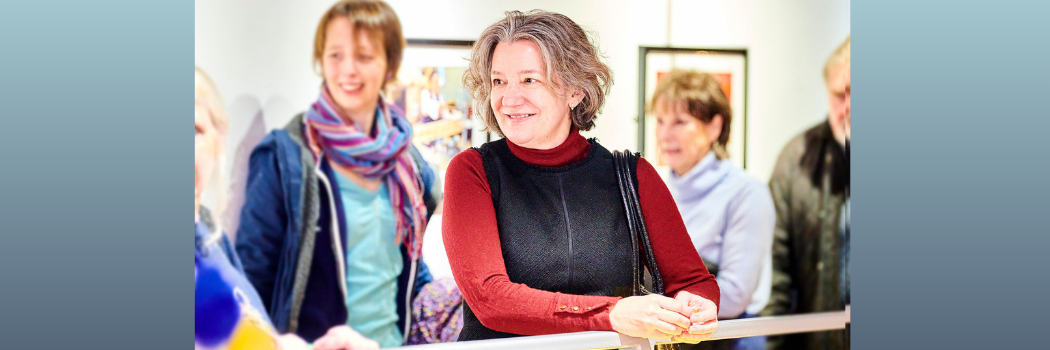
728 213
810 187
337 202
228 313
534 223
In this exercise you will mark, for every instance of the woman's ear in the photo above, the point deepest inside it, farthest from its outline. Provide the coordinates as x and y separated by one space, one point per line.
714 128
576 97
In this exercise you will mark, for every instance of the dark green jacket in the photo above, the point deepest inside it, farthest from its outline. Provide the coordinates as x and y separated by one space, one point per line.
808 187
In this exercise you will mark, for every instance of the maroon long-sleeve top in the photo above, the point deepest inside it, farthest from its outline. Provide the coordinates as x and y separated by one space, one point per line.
473 246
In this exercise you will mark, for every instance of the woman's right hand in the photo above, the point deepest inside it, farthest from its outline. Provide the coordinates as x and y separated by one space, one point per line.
650 316
344 338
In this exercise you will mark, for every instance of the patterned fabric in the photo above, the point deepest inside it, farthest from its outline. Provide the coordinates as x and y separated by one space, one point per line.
374 157
438 313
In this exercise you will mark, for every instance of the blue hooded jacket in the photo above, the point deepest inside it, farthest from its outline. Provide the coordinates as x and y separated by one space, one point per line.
290 225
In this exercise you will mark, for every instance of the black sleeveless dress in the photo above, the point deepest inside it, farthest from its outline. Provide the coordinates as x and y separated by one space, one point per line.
561 229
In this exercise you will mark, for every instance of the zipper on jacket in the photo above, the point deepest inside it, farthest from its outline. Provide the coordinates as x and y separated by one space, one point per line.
408 299
568 226
337 243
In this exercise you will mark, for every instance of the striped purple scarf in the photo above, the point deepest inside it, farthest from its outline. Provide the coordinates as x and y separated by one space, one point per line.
385 157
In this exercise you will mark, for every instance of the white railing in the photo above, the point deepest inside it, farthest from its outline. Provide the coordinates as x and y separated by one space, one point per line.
730 329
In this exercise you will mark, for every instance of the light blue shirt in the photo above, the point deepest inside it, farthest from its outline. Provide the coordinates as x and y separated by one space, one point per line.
730 218
373 262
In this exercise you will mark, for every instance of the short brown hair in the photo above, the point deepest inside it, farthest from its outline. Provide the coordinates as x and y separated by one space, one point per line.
372 16
703 98
568 53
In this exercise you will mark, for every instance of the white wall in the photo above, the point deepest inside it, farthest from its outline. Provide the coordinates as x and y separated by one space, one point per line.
258 52
787 43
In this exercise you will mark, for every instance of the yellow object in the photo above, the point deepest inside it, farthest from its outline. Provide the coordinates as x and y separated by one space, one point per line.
253 334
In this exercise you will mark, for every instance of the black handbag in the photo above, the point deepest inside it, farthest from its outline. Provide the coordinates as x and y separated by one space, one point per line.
622 162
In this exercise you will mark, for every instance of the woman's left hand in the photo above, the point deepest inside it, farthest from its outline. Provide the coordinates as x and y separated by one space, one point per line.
704 318
344 338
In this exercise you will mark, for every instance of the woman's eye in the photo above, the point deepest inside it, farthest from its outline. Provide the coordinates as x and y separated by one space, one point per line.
530 80
497 82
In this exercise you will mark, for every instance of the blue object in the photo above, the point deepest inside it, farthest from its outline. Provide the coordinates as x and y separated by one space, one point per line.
221 292
215 309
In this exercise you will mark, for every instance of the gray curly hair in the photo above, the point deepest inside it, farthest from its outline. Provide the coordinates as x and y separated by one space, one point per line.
572 61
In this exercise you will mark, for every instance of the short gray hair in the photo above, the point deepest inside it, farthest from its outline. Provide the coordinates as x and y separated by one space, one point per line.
572 59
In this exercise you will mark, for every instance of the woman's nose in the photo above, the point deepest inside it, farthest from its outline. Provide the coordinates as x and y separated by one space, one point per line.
512 96
348 68
661 132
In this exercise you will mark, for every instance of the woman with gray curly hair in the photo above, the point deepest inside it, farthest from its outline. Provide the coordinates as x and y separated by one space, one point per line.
534 225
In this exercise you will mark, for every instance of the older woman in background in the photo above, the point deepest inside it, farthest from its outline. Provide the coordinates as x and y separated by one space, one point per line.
728 213
534 224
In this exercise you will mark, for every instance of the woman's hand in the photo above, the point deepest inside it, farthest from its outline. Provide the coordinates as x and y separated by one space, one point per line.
344 338
291 342
650 316
703 318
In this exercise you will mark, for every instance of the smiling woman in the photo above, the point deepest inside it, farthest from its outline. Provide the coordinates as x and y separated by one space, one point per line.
526 111
337 201
534 224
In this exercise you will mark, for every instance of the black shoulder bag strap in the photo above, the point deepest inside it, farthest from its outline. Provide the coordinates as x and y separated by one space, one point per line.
622 162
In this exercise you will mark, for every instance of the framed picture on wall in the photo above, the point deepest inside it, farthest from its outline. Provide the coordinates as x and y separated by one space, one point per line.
429 88
728 66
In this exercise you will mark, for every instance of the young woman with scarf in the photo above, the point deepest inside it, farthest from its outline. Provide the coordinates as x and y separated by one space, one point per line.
337 201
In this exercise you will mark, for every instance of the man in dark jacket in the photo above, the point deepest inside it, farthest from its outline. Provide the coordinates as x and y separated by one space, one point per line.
810 188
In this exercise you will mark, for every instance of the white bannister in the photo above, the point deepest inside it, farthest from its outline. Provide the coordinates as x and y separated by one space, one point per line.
802 323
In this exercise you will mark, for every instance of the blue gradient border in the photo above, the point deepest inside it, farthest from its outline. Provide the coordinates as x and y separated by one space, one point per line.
949 220
951 182
95 249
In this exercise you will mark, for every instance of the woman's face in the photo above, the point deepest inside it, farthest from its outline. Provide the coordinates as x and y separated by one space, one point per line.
683 139
354 68
206 147
434 83
527 112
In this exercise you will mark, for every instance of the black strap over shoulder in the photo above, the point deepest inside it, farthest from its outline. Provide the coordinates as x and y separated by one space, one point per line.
622 162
